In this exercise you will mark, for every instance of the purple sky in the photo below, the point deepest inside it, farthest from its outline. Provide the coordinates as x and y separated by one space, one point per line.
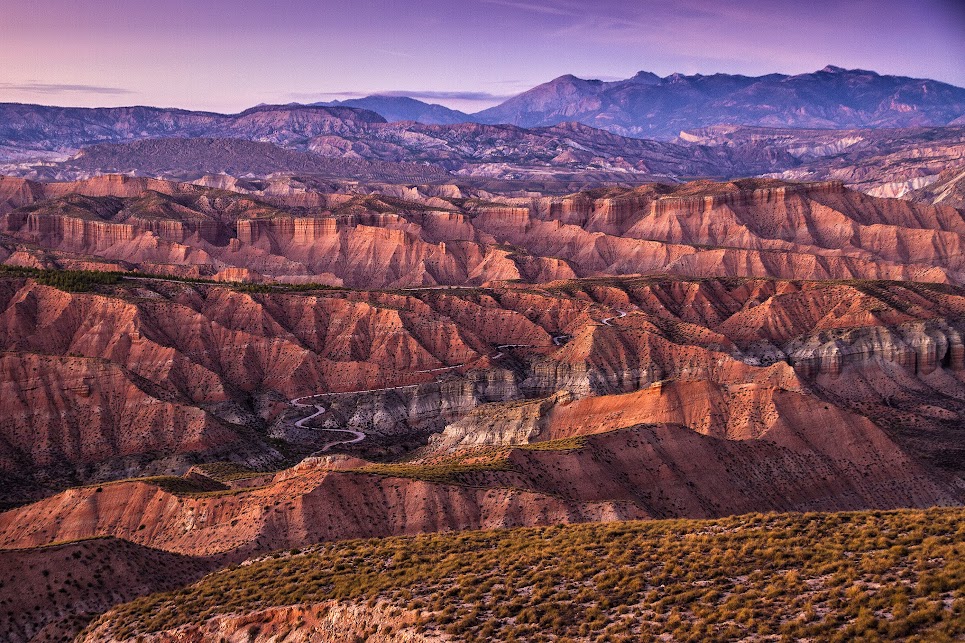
227 55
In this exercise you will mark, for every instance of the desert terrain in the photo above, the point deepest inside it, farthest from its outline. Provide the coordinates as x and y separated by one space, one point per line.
662 358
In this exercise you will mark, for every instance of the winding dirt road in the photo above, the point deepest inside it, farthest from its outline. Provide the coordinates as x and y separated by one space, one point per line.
620 314
358 436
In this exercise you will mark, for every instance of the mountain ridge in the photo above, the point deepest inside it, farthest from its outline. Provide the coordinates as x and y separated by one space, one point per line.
662 107
56 129
644 105
404 108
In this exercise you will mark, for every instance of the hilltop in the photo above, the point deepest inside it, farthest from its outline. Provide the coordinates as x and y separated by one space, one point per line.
874 576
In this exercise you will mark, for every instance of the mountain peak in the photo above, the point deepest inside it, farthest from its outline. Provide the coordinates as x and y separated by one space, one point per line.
834 69
570 79
645 78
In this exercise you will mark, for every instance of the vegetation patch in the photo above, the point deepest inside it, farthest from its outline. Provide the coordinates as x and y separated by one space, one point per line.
895 575
183 486
445 473
172 484
277 287
456 467
228 471
67 280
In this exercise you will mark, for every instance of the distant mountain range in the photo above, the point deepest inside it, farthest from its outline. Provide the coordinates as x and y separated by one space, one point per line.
403 108
806 127
649 106
644 106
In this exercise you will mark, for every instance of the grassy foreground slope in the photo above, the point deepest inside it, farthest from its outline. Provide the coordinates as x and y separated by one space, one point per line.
897 575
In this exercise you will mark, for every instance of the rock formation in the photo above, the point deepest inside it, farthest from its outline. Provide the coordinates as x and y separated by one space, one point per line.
317 362
751 228
98 382
49 593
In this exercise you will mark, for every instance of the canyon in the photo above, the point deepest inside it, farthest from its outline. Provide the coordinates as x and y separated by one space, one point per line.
268 364
205 372
267 375
514 404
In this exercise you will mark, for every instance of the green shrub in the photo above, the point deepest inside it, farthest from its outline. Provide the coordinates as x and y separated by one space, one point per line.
811 576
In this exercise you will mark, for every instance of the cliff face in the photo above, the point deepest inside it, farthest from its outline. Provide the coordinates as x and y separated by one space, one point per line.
79 410
749 228
947 188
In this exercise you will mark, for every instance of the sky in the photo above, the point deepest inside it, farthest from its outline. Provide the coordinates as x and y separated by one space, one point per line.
227 55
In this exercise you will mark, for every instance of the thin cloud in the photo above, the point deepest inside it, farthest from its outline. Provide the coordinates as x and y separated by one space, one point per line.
397 54
302 96
417 94
544 8
59 88
438 95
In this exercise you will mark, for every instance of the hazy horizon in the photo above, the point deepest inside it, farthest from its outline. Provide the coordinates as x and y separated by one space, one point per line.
227 57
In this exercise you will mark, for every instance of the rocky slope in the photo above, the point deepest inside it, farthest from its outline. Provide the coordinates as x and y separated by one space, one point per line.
947 188
649 106
745 228
333 621
49 593
881 162
646 471
625 580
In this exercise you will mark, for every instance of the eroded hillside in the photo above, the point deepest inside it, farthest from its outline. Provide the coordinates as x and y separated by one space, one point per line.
148 375
308 365
748 228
